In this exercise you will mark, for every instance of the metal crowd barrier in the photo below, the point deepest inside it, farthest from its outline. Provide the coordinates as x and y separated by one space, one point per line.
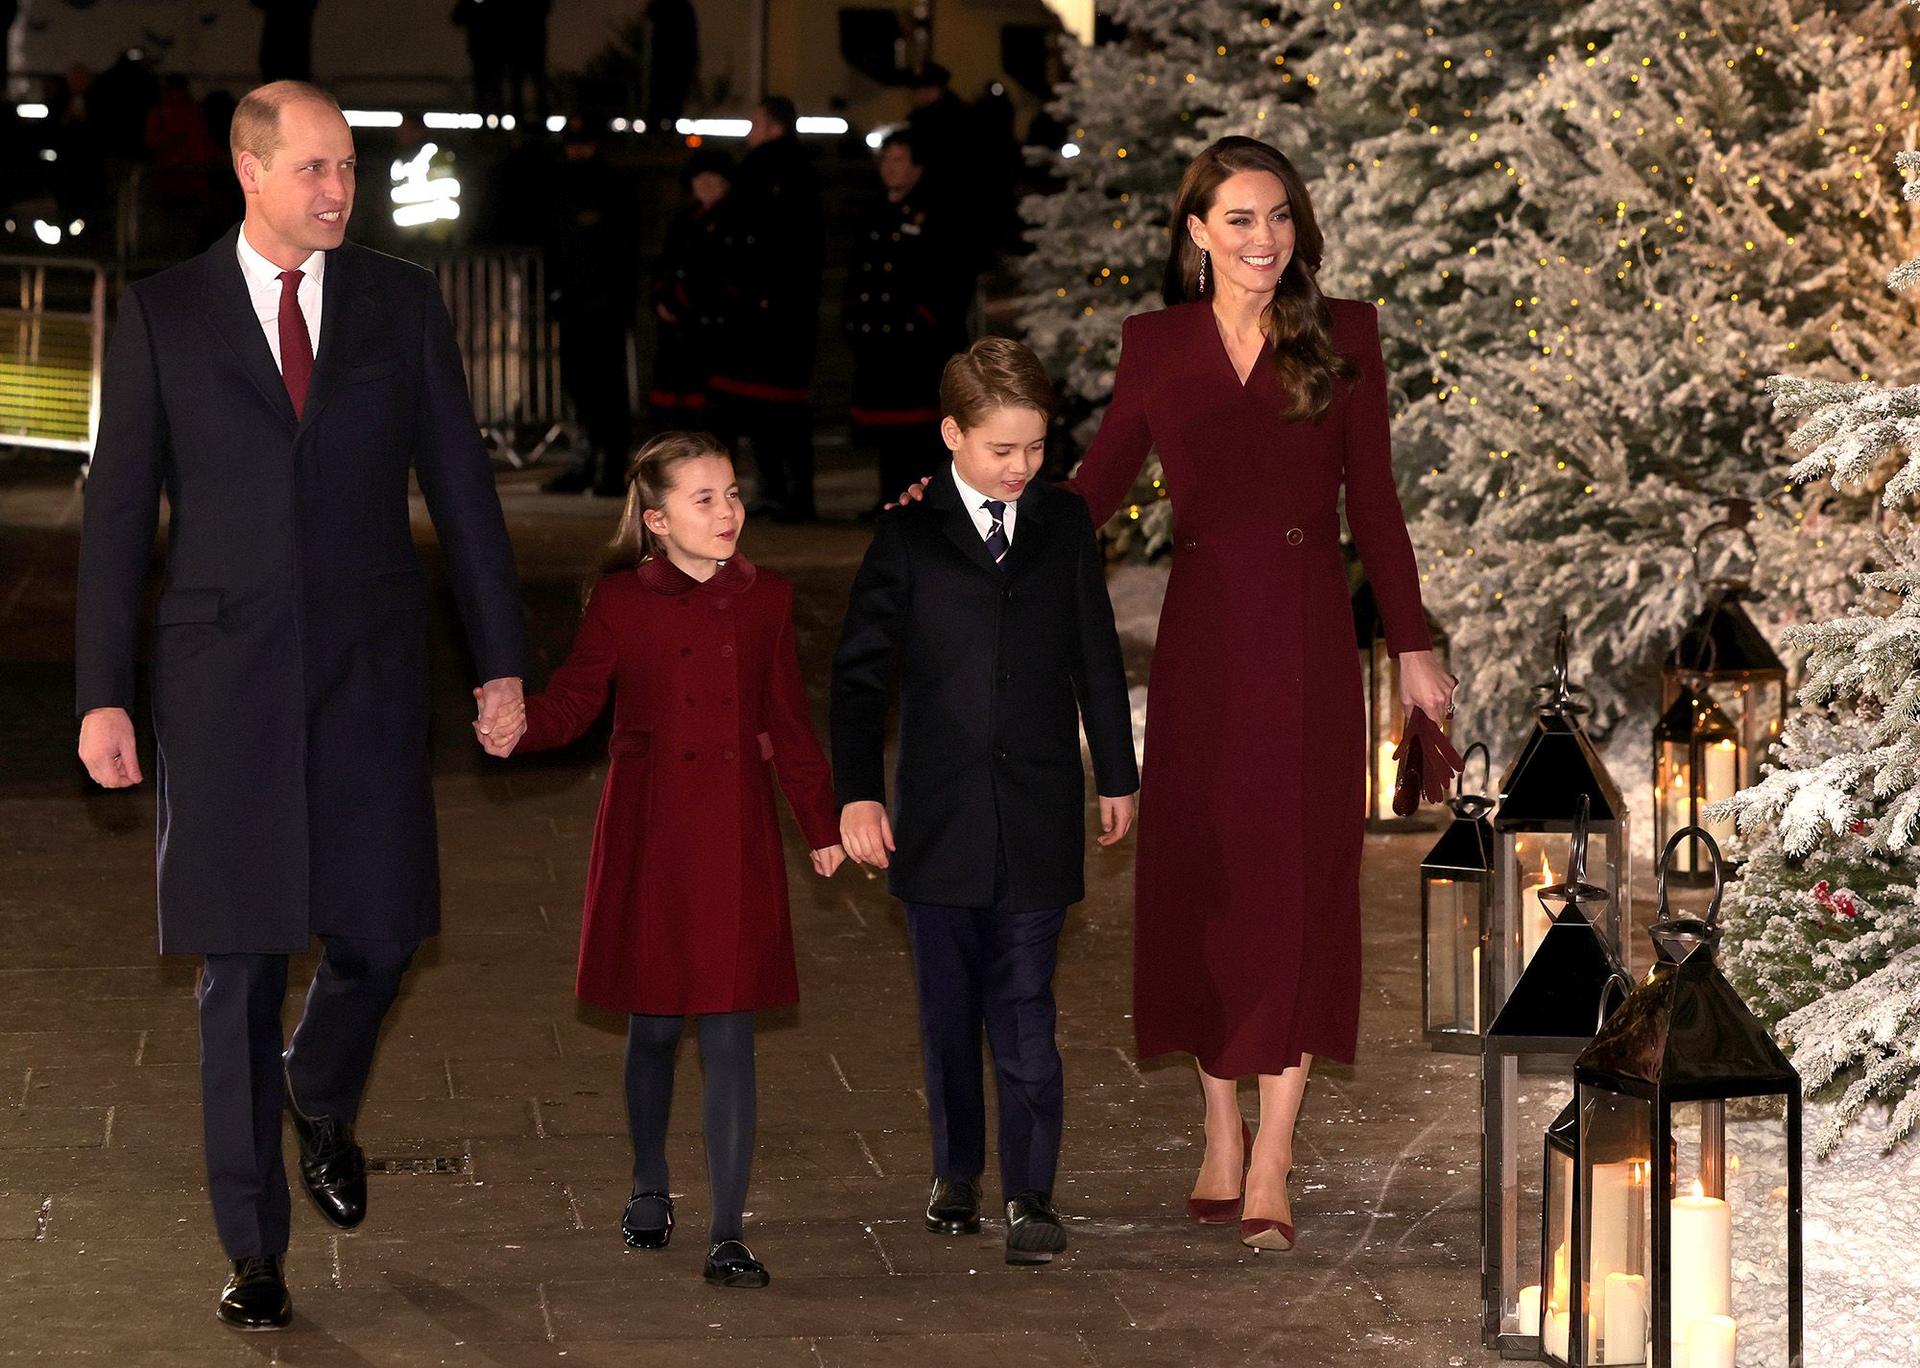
511 346
53 327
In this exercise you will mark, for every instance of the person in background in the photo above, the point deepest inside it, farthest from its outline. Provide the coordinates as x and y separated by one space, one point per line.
591 289
905 314
286 39
770 247
684 298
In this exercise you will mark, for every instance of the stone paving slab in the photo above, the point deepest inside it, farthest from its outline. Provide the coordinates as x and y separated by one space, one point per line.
107 1254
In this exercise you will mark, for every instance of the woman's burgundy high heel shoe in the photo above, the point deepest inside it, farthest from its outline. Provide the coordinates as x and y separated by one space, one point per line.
1224 1210
1263 1234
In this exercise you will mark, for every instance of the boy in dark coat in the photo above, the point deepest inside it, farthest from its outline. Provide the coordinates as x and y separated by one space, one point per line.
986 603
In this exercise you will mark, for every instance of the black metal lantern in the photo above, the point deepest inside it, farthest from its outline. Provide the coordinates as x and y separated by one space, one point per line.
1696 761
1547 1308
1556 768
1456 896
1724 662
1380 674
1689 1166
1545 1022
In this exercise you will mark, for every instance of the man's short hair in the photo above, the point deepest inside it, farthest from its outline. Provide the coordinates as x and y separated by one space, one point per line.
256 119
903 137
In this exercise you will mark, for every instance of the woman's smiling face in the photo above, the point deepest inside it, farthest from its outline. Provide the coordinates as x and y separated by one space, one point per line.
1247 233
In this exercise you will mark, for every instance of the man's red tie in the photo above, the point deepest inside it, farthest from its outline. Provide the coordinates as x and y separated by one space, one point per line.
296 348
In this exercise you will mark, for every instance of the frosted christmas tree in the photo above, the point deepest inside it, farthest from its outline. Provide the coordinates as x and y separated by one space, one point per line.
1702 197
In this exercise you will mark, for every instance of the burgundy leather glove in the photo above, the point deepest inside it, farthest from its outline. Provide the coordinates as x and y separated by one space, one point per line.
1427 761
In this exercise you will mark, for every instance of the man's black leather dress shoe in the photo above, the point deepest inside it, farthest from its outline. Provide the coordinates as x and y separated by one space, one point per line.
255 1297
1034 1234
731 1264
648 1221
954 1208
333 1169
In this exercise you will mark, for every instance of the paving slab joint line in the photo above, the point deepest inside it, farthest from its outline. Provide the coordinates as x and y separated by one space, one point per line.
573 1206
43 1219
539 1121
26 1086
546 1314
140 1050
559 1050
880 1246
839 1072
106 1138
867 1150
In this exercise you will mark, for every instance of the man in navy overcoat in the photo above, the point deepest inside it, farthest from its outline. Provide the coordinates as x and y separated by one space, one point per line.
278 390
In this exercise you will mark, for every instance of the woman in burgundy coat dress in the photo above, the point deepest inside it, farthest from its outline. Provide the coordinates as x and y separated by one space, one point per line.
686 908
1264 399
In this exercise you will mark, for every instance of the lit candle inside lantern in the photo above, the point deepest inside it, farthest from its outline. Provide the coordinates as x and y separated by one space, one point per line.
1616 1227
1626 1318
1722 781
1710 1341
1553 1336
1529 1314
1557 1287
1478 1025
1534 919
1700 1260
1385 768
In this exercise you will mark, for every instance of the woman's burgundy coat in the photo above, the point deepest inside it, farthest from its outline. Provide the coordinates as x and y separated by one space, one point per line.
686 907
1247 922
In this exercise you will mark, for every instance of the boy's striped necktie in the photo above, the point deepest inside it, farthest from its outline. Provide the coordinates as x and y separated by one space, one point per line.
997 534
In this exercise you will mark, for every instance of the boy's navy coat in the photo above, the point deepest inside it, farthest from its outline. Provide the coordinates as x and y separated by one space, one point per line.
289 655
997 665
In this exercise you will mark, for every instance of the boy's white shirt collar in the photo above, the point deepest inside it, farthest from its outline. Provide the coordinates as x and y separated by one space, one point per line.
982 519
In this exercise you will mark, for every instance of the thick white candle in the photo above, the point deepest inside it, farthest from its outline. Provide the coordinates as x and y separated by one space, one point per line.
1385 768
1710 1341
1478 1024
1626 1318
1700 1260
1722 781
1554 1335
1614 1214
1529 1315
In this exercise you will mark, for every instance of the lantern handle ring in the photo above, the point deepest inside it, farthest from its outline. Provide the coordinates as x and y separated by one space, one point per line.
1705 837
1617 986
1736 517
1577 842
1486 759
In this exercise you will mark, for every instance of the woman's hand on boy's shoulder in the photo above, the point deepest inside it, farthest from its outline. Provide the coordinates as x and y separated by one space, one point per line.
828 859
913 493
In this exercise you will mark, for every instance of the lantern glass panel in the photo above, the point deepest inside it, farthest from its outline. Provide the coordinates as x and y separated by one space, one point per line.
1555 1291
1616 1222
1728 1232
1451 912
1383 726
1532 1090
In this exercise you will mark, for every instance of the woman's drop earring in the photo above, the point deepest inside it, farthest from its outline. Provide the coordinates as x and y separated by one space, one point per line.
1203 270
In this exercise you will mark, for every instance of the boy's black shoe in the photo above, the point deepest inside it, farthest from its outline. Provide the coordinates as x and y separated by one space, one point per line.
953 1209
1034 1234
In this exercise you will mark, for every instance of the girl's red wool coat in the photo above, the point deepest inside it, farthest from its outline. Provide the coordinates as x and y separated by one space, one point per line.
686 906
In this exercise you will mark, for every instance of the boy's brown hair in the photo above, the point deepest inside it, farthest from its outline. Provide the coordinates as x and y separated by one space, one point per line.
994 373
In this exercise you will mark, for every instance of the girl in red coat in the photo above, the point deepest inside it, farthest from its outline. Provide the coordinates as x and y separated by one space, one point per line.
686 908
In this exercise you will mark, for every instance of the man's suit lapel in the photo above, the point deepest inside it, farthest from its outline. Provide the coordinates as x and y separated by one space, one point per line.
230 308
958 522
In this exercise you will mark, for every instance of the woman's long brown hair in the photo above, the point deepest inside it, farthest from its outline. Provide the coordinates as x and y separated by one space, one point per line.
649 477
1297 321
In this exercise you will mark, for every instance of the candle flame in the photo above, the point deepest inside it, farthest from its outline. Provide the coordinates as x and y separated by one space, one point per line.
1699 1188
1546 871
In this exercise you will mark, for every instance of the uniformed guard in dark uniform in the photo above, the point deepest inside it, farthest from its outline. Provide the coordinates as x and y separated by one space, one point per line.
592 283
770 245
908 291
686 296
